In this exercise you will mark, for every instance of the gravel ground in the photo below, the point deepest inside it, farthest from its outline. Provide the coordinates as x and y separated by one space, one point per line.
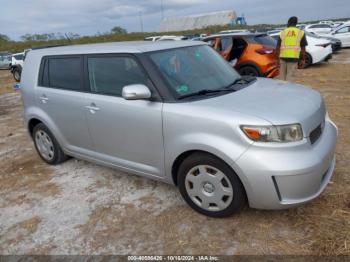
82 208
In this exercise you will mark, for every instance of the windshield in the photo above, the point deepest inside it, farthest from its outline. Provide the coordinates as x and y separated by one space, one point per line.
193 69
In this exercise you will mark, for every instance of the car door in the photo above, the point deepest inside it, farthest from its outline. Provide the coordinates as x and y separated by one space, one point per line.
4 62
61 97
126 133
343 34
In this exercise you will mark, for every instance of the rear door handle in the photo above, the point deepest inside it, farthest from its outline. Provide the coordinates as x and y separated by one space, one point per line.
92 108
43 99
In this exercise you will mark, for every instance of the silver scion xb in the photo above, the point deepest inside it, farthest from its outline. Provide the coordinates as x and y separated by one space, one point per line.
177 112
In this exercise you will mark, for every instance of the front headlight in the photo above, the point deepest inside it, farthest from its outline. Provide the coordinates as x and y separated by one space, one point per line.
281 134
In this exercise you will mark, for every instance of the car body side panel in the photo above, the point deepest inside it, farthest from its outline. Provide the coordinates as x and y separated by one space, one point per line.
188 128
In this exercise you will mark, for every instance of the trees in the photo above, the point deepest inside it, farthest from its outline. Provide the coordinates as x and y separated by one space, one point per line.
49 36
4 38
118 30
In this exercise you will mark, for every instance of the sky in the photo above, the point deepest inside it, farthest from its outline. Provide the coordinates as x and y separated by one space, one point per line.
87 17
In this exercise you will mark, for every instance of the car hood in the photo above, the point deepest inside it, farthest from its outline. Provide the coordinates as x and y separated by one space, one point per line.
275 101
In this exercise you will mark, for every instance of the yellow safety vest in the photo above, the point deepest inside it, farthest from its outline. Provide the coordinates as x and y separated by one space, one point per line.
290 42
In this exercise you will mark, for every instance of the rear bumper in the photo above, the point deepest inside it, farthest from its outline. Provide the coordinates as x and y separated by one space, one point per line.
321 54
282 176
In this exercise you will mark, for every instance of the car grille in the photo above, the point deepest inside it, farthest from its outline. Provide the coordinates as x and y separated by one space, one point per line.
316 133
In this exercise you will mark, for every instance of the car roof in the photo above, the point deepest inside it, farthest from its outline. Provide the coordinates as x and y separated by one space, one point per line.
236 34
115 47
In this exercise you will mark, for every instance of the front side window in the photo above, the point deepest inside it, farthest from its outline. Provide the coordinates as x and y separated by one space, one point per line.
108 75
193 69
62 73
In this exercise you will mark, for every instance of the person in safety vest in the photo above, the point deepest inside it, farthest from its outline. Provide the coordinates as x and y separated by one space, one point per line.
290 48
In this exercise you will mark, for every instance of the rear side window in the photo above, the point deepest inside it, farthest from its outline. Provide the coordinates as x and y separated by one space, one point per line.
265 40
108 75
226 43
343 30
18 57
62 73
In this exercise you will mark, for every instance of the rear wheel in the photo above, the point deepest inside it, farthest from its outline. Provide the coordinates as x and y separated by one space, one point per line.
47 146
308 61
249 71
210 186
16 74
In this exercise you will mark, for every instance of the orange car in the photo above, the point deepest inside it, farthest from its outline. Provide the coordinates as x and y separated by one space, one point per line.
250 54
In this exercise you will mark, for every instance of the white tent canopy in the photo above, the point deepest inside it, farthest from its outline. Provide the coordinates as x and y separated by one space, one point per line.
197 21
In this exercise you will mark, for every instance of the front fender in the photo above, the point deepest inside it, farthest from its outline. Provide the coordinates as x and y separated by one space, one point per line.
226 149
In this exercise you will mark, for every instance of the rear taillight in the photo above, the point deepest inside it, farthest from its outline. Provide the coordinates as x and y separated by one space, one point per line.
324 45
265 50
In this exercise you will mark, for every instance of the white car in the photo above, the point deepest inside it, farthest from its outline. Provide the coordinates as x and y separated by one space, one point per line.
17 65
17 59
317 50
342 33
172 38
5 60
233 31
152 38
319 28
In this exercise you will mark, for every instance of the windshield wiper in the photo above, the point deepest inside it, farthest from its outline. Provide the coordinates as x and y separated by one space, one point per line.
240 81
230 88
204 92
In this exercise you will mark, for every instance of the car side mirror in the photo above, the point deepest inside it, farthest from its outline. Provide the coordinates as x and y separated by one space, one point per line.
136 92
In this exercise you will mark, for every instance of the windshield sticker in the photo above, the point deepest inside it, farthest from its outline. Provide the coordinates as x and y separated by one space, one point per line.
182 89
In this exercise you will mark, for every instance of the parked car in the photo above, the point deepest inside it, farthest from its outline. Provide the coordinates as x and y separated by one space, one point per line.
335 42
5 60
152 38
343 34
317 50
177 112
254 53
318 28
234 31
17 65
172 38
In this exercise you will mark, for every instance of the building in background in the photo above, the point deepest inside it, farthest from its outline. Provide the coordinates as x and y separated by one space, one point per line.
198 21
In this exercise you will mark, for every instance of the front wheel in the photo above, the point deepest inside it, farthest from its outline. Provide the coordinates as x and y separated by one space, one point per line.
210 186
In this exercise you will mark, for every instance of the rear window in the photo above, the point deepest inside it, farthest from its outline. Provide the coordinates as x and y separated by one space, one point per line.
265 40
18 57
62 73
108 75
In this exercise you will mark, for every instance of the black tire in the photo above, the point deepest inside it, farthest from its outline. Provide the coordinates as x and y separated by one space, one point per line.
16 72
58 155
239 196
308 61
249 71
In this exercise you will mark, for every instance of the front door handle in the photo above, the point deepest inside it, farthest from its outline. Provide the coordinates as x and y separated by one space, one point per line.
92 108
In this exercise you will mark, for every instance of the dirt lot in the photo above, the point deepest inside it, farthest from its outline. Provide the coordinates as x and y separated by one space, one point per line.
82 208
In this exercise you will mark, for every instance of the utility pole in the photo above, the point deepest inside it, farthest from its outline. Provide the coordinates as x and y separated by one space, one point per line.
141 21
162 8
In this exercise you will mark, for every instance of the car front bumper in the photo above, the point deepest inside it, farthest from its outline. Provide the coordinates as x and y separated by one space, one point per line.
281 176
